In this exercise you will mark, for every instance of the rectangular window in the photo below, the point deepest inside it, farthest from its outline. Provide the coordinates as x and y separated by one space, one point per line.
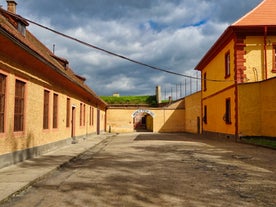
205 82
84 115
2 102
92 116
227 117
21 28
19 106
205 115
274 58
46 109
80 114
227 64
55 111
68 112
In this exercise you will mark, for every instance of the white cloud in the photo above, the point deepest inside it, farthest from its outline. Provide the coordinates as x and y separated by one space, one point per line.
171 35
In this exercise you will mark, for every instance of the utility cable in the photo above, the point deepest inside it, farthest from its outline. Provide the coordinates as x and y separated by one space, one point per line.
114 54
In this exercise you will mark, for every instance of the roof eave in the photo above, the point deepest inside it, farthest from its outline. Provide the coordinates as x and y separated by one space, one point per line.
32 52
226 36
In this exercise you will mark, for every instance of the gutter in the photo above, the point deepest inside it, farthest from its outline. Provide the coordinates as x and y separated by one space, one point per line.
265 52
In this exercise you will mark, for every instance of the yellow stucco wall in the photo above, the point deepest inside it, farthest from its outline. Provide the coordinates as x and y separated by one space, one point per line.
249 109
216 110
119 120
268 117
216 93
180 116
257 112
34 134
169 120
193 111
255 58
215 70
164 120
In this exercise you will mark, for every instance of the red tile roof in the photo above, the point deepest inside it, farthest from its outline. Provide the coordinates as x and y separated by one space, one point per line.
6 22
263 14
255 21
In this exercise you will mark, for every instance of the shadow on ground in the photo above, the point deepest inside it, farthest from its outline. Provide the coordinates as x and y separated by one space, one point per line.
155 170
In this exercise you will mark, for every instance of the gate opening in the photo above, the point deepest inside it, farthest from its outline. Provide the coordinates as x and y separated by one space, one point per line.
143 121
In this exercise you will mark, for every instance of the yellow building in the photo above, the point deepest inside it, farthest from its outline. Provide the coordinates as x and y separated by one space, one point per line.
179 116
245 53
43 104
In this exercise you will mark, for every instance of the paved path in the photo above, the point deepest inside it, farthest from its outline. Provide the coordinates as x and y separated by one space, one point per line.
16 178
154 170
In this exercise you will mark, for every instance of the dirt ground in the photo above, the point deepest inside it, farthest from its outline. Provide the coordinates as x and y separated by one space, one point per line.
154 170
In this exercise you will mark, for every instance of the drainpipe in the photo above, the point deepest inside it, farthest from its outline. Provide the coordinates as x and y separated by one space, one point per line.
265 52
201 102
236 97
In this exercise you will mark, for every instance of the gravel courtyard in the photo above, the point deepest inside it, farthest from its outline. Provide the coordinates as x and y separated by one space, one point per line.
154 170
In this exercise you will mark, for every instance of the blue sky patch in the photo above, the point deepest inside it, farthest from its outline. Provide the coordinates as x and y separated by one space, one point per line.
197 24
153 25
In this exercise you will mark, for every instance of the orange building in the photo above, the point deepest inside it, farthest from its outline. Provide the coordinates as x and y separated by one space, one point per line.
43 103
235 70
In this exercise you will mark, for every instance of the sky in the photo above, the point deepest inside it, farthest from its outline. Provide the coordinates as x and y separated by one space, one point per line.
169 34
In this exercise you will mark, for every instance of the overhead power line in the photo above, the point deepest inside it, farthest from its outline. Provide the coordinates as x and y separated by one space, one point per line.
113 53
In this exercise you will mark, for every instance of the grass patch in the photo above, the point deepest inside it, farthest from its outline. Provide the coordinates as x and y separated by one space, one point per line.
149 100
262 141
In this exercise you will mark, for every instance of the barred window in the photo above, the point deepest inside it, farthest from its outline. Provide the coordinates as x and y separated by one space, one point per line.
46 110
55 111
19 106
205 82
205 115
228 111
84 115
2 101
80 114
227 64
91 117
68 113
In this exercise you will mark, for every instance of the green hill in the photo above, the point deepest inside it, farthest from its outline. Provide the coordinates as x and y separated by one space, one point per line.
136 100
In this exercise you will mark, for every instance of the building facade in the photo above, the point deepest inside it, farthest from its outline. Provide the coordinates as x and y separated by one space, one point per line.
182 115
245 53
43 103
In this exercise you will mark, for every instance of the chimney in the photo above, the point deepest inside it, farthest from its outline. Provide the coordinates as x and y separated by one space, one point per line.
158 94
11 6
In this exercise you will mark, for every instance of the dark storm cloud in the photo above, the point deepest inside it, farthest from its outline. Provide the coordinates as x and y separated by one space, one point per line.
172 34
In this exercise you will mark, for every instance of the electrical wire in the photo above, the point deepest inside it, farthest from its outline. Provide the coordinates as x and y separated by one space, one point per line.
115 54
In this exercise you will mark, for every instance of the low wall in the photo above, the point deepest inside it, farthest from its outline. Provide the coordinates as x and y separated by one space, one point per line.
257 111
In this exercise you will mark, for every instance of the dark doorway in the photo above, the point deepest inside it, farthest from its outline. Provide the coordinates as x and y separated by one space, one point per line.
143 122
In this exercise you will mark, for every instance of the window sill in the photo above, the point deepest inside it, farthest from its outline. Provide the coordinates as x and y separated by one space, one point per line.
19 134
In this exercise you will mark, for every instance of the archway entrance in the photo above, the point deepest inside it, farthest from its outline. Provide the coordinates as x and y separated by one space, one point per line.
143 120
